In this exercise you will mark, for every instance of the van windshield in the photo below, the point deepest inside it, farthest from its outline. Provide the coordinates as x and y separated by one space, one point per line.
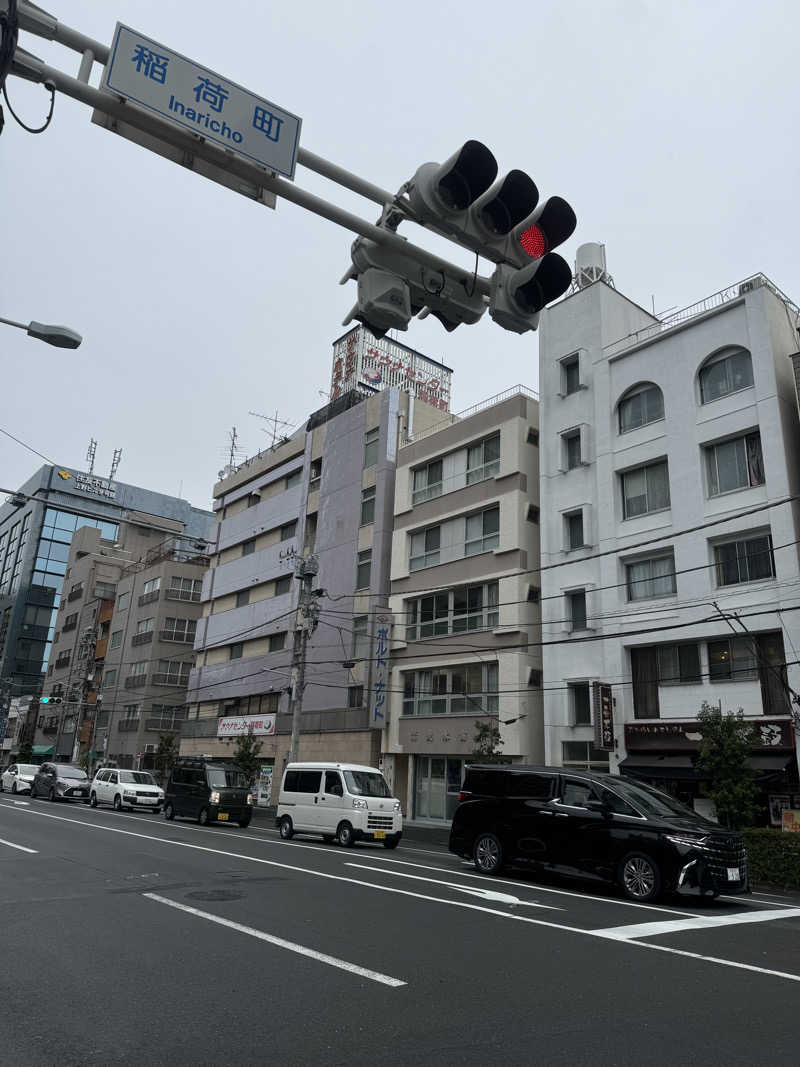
366 784
225 778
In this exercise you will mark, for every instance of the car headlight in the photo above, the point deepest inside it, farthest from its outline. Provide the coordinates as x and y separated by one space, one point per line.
686 842
214 798
397 806
129 793
251 798
359 803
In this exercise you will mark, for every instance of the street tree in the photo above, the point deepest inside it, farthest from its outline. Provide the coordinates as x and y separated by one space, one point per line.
487 744
247 754
25 754
723 760
166 754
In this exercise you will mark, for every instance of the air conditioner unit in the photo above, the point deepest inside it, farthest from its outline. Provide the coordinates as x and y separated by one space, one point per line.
149 750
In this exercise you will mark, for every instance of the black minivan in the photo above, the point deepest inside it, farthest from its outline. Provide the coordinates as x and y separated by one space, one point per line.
597 826
208 790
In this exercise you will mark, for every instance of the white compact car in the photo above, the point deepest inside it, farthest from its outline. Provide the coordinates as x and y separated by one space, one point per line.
341 801
17 777
126 789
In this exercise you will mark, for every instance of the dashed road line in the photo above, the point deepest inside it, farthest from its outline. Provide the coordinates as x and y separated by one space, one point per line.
21 848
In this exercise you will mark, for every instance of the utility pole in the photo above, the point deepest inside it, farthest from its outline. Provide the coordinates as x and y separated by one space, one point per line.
306 622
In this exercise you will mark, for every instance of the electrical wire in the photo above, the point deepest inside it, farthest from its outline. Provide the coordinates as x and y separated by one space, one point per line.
39 454
33 129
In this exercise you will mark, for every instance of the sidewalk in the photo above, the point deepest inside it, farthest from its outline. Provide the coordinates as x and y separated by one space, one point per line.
436 836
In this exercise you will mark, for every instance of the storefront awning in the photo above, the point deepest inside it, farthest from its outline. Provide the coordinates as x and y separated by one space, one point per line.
42 750
655 766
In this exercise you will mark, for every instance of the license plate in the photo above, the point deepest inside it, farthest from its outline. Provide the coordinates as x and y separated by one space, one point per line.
147 800
733 874
379 835
223 816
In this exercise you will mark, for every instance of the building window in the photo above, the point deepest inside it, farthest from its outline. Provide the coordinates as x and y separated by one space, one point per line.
571 446
360 644
570 375
105 591
364 569
130 713
277 641
236 650
144 626
470 688
483 459
583 755
532 514
184 588
288 530
453 611
368 506
725 374
283 585
576 607
315 475
649 579
152 585
732 658
425 548
249 547
580 704
748 560
483 531
428 482
179 630
678 664
355 696
645 489
166 717
242 598
173 672
736 464
640 406
533 437
122 601
293 479
139 668
371 447
253 499
574 530
109 678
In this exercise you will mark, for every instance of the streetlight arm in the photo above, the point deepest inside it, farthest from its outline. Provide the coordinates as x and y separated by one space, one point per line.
59 336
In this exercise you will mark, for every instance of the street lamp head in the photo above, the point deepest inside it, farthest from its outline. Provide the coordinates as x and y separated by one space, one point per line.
59 336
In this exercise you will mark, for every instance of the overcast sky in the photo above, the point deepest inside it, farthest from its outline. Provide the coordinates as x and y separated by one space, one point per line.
671 129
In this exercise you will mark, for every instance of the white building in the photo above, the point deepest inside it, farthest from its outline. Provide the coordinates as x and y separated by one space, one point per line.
669 460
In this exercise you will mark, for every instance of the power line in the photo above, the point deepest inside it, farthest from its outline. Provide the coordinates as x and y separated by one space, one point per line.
39 454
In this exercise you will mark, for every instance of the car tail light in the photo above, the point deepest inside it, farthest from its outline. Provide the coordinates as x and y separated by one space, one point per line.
463 796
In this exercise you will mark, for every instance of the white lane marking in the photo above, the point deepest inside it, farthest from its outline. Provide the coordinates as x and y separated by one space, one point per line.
418 896
703 922
484 894
291 946
22 848
757 900
20 803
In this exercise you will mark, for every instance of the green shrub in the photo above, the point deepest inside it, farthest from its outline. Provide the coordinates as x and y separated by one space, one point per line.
773 857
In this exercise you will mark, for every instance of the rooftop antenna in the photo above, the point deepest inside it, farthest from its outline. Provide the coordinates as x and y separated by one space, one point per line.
274 422
91 452
115 463
234 439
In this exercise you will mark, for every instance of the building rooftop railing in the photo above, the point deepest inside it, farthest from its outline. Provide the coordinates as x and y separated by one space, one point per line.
702 307
482 405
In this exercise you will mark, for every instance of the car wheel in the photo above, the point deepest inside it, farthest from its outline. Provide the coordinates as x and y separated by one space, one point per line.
391 842
202 816
286 828
344 835
117 803
328 838
13 789
169 812
244 823
487 854
93 800
640 878
51 796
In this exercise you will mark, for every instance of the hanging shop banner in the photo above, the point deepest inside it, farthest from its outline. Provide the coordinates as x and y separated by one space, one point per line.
603 716
236 725
380 672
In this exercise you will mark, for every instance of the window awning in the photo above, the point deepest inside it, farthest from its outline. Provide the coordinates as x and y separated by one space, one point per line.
42 750
766 765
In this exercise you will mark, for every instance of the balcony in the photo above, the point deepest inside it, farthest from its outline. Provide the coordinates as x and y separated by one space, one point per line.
62 661
136 681
170 679
199 728
177 638
128 726
157 726
75 594
183 594
143 638
148 598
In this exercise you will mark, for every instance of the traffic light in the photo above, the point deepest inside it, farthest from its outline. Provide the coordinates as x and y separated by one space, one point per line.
393 287
50 700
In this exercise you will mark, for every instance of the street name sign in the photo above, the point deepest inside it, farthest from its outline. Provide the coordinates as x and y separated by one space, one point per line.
151 76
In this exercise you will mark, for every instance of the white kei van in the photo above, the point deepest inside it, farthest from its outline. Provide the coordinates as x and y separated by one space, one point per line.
340 801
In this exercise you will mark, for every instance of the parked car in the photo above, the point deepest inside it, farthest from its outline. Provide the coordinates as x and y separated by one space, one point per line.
341 801
60 781
126 789
596 826
210 791
18 777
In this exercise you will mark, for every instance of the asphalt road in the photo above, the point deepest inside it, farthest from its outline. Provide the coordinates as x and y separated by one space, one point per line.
130 940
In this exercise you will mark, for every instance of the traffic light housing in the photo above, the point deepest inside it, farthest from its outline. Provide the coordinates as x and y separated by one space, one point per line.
518 296
51 700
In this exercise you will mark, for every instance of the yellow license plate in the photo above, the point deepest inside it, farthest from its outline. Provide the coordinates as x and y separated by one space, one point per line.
222 817
379 835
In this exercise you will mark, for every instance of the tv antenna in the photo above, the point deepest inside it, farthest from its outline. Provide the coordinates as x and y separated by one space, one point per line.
91 452
274 423
115 462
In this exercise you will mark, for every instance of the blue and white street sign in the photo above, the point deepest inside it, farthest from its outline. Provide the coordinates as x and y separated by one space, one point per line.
177 89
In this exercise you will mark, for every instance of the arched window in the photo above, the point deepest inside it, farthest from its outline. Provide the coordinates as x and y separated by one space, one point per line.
727 372
640 405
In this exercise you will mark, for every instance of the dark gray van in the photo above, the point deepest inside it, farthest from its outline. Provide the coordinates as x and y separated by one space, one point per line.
208 790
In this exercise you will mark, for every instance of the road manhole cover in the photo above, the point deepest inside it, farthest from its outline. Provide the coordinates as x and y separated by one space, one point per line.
215 894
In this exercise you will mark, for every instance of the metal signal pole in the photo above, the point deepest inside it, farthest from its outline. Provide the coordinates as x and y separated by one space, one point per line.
306 622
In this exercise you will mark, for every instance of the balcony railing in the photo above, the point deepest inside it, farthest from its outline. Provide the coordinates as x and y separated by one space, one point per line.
169 679
136 681
143 638
128 726
183 594
148 598
62 661
75 594
178 638
157 726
